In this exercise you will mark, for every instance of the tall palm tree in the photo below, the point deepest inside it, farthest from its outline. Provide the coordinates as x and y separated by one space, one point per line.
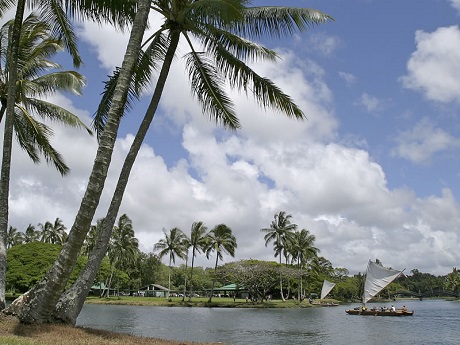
172 245
279 232
35 75
220 240
41 302
124 246
14 237
54 233
31 235
198 241
214 24
302 249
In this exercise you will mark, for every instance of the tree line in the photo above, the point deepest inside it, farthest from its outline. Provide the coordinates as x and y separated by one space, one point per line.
125 268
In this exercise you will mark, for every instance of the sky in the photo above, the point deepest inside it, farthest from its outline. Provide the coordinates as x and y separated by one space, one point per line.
373 172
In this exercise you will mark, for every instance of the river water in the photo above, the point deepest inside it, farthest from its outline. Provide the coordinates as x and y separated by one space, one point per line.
434 322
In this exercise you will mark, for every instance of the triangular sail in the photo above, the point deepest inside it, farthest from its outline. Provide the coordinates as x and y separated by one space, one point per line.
377 277
327 287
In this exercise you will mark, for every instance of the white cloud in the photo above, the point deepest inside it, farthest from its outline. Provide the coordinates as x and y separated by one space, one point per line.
369 102
348 77
324 44
420 143
433 68
455 4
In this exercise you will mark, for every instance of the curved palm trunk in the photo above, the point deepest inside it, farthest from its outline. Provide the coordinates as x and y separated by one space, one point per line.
37 305
191 275
8 142
71 301
213 281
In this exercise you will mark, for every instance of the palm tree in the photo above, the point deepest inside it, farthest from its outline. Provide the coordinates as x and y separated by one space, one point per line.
172 245
34 48
124 246
91 237
14 237
198 241
53 233
211 22
220 240
31 235
279 233
43 298
303 251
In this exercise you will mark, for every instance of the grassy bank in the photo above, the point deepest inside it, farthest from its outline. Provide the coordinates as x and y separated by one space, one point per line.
217 302
14 333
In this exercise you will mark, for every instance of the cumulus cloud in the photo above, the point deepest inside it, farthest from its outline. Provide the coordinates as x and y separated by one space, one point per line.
348 77
433 68
455 4
420 143
369 102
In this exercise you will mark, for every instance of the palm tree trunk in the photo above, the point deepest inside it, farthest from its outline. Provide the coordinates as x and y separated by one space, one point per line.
71 302
38 306
214 280
191 275
185 278
281 282
12 63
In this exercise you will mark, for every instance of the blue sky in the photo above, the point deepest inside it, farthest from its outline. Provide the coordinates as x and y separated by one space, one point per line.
372 173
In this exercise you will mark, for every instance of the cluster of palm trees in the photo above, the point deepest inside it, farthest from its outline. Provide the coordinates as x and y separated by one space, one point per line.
177 244
223 29
297 247
48 232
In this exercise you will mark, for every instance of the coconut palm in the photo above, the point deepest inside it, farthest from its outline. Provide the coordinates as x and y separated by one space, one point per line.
301 246
124 246
279 233
172 245
220 240
54 233
13 237
31 235
43 298
91 237
214 24
198 241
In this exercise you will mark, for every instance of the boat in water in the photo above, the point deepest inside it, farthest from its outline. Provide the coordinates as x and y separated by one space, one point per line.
377 278
327 287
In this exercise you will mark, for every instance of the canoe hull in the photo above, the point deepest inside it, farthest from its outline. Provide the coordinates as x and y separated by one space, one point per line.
379 312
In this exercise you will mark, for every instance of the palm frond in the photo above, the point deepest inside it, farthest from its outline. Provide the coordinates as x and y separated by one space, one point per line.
33 137
208 87
61 27
61 81
215 12
147 63
277 21
54 112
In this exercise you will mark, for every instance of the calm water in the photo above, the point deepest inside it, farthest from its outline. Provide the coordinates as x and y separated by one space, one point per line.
434 322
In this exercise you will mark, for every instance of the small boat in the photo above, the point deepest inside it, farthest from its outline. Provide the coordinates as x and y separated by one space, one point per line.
377 278
327 287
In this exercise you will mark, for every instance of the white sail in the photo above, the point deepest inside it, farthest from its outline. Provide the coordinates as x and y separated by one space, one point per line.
327 287
377 277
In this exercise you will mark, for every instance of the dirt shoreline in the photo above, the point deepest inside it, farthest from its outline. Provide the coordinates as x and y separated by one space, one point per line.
12 332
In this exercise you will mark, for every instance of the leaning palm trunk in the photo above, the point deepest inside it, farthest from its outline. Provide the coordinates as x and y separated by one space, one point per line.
37 305
8 142
71 301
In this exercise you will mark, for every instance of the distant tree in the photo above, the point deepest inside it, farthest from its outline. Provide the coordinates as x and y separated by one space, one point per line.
453 281
279 232
13 237
198 244
302 249
31 235
220 240
172 245
53 232
91 237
